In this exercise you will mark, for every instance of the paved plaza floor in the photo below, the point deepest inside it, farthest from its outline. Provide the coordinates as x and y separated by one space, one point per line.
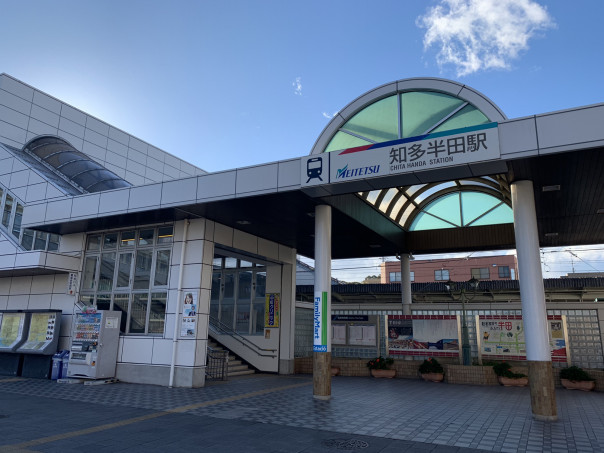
269 413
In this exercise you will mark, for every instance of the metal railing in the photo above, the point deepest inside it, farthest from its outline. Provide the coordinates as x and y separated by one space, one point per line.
220 328
218 364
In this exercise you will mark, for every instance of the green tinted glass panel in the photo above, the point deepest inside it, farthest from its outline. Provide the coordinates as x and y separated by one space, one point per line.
377 122
425 221
466 117
343 140
422 110
474 204
447 208
501 214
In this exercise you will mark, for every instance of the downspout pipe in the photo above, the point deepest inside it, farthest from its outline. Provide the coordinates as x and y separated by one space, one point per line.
179 292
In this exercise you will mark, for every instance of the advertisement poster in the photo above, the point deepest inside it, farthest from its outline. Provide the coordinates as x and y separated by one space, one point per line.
420 335
271 310
188 325
503 337
41 331
11 329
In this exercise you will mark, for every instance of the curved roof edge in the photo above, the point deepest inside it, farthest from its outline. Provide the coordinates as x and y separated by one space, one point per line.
459 90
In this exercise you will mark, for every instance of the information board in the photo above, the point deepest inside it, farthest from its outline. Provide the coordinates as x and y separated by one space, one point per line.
42 329
423 335
11 330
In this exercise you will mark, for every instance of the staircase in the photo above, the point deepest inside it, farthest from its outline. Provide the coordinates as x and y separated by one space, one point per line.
236 367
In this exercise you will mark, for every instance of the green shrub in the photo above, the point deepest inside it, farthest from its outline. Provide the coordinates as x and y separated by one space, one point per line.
380 363
431 365
574 373
504 369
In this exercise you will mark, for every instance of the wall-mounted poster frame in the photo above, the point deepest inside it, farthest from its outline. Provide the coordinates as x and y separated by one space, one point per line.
357 331
423 335
501 337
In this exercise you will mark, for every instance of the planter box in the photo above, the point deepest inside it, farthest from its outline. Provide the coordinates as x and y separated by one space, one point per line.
433 377
513 382
383 373
586 386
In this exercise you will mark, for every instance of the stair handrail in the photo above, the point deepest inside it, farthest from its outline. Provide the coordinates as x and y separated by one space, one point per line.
220 328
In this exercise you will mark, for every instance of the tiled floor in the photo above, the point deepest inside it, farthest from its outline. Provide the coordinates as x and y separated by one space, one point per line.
424 415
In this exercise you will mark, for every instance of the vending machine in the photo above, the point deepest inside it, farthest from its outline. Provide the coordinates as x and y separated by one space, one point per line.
94 344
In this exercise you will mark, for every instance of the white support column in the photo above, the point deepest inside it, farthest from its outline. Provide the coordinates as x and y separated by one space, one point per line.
534 313
322 303
406 283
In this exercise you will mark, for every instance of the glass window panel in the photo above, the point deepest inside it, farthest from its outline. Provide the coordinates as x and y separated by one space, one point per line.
342 140
447 208
40 240
162 267
8 208
466 117
227 304
474 204
215 295
377 122
425 221
259 304
106 271
157 313
423 110
146 237
110 241
243 263
244 300
504 272
142 270
120 303
217 263
103 301
87 299
27 240
138 313
501 214
89 274
94 242
165 235
53 242
127 238
230 263
17 220
123 270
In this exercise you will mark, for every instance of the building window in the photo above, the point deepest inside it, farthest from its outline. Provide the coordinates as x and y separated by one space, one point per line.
441 275
131 275
412 276
238 294
481 273
395 277
504 272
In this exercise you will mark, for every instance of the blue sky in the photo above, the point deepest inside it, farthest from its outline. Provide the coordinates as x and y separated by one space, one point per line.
226 84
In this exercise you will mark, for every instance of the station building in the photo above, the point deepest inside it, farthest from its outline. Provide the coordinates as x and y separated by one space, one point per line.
94 217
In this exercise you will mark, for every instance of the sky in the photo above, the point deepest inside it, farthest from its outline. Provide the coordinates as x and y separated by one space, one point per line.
233 83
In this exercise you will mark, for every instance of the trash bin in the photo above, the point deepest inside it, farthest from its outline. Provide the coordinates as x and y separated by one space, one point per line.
57 365
65 364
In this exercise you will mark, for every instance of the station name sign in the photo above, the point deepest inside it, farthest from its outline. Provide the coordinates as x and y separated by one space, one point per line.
425 152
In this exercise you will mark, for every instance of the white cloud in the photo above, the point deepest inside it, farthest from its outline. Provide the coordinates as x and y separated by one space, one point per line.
297 84
475 35
328 116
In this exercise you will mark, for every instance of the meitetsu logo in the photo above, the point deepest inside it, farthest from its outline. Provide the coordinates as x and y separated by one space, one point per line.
345 173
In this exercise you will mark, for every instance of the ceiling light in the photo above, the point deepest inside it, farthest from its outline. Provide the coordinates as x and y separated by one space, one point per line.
375 246
551 235
551 188
243 222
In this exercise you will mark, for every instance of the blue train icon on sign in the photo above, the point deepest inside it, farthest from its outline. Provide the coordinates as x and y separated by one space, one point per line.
314 168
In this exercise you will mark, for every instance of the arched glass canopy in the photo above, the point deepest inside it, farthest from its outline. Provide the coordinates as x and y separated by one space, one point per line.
414 112
73 165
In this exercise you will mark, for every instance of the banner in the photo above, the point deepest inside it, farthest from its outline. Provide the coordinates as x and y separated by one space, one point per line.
188 325
271 309
423 335
321 323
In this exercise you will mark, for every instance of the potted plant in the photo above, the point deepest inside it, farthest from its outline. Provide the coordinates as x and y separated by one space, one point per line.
574 378
380 367
507 377
431 370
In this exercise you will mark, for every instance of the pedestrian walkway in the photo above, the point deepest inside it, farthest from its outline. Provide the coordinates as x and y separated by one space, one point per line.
269 413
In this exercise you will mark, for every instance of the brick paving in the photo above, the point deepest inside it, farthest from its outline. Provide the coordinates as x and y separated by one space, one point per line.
272 413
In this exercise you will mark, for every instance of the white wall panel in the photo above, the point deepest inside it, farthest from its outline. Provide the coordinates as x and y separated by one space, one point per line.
112 201
39 301
57 210
118 136
95 138
42 284
71 127
17 302
20 285
12 132
19 179
15 102
97 126
162 351
45 116
96 152
13 117
17 88
256 179
74 115
179 191
47 102
137 350
85 205
216 185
